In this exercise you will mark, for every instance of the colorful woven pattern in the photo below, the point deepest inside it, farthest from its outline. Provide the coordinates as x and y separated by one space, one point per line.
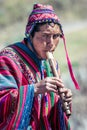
16 93
41 13
19 68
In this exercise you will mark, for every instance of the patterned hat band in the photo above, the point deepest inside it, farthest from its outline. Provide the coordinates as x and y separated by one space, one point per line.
43 21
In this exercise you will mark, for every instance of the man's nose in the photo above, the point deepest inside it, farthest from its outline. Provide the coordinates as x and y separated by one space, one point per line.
50 40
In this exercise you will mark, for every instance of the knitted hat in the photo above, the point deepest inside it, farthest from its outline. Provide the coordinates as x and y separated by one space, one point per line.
41 13
45 13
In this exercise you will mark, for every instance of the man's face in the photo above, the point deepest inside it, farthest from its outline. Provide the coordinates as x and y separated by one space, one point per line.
46 39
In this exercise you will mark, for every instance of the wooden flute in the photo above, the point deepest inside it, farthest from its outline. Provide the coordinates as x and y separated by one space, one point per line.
65 104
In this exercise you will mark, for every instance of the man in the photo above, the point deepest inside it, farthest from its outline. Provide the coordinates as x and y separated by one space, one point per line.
29 97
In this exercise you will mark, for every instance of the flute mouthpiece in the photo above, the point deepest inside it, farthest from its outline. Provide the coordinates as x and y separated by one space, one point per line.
49 55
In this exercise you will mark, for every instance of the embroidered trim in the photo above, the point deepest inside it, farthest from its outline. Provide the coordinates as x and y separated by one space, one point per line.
24 68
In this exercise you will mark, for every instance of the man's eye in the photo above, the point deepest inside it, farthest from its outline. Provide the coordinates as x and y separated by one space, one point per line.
56 36
44 35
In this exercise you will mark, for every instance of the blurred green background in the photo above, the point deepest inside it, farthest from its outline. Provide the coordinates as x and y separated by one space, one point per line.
73 16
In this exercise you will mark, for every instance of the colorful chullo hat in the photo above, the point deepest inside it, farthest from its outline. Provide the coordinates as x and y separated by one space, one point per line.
45 13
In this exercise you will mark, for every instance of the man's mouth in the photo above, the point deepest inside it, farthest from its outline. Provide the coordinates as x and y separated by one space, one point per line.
49 50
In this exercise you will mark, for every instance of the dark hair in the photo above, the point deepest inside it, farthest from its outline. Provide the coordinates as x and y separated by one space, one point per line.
38 25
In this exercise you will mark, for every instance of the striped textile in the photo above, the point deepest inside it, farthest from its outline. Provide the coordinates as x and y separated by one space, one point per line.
19 109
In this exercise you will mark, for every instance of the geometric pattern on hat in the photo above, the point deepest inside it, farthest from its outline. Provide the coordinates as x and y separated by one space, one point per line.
41 13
